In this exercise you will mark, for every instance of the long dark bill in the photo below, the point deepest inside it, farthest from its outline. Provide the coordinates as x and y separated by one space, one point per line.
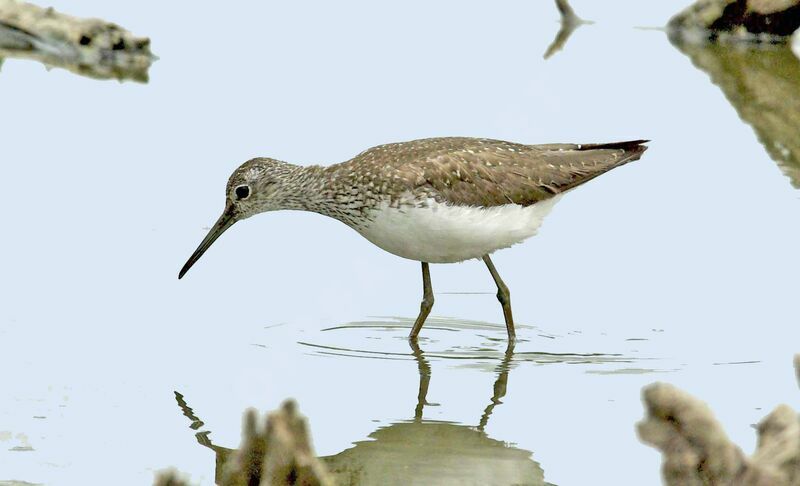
223 223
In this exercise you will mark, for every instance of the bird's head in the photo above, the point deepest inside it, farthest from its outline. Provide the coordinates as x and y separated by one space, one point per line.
256 186
259 185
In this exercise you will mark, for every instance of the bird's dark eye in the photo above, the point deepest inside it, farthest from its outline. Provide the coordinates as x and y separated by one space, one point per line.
242 192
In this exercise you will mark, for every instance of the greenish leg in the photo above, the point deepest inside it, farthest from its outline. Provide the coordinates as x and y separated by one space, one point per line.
427 301
424 378
500 385
504 296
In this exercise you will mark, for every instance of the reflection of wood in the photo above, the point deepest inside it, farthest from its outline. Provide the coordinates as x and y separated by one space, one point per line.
696 451
273 453
221 454
763 85
90 47
569 23
420 451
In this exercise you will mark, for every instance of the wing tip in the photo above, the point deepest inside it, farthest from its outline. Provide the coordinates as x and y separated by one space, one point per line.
629 145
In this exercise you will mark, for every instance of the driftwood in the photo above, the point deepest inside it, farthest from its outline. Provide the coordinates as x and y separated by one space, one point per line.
90 47
737 20
696 450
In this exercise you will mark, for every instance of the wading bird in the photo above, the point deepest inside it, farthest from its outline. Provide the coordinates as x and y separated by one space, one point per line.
437 200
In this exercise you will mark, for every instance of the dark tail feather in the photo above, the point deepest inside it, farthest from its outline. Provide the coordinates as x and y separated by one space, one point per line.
599 154
630 146
633 149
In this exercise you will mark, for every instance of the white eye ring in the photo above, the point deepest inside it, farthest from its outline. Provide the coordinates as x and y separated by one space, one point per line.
242 192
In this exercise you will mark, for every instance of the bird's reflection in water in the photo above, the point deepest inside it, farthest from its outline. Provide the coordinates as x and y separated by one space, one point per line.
500 384
420 451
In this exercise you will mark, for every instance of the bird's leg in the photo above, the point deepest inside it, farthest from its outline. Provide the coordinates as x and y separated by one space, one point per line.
504 296
427 301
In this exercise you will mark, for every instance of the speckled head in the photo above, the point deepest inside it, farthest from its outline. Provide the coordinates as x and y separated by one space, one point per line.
258 185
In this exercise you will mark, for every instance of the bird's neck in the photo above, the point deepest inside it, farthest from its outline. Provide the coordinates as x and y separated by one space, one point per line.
322 190
301 188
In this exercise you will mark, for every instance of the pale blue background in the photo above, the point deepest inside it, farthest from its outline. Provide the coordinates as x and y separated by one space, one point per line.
106 189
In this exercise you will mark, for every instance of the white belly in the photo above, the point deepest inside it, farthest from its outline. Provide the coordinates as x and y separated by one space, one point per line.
440 233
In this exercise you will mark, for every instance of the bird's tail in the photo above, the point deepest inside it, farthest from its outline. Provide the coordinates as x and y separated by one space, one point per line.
635 148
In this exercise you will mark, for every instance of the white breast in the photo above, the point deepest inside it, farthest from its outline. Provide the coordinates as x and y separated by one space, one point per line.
441 233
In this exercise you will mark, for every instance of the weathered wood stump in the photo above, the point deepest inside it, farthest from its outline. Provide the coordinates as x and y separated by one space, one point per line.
737 20
90 47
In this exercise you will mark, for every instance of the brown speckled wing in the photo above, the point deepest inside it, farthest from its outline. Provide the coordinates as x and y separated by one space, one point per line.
482 172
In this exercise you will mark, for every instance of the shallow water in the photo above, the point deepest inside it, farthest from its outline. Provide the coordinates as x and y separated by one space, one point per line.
681 267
